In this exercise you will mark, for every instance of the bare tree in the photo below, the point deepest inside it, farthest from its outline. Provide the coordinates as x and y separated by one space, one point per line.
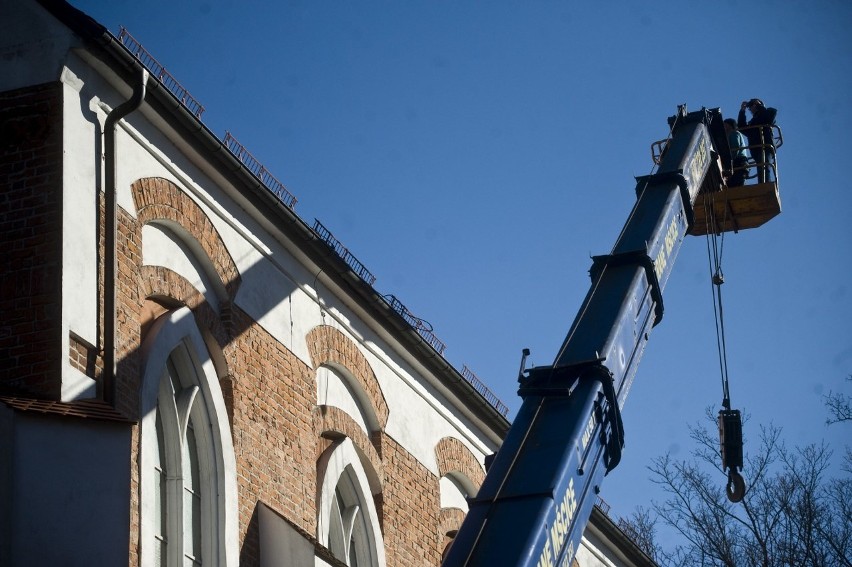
641 528
792 514
839 406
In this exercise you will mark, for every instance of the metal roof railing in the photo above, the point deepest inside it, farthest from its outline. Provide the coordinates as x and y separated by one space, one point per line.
269 181
423 328
160 72
484 391
342 251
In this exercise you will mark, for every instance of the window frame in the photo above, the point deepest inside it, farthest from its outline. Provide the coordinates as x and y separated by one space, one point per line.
340 468
175 341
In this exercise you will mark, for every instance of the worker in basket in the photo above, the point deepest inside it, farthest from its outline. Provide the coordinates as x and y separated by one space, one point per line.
739 153
758 130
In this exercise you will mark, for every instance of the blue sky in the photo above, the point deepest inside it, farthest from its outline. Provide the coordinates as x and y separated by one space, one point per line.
474 155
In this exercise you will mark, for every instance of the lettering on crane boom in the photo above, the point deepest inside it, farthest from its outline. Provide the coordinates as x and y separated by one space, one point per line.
699 161
587 433
696 169
662 260
558 532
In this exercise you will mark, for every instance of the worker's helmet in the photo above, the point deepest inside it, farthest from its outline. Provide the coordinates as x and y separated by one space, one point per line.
755 102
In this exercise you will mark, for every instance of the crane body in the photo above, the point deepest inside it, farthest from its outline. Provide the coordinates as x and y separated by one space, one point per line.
538 493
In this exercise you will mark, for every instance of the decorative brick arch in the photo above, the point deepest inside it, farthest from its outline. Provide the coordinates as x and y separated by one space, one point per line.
156 199
453 456
329 346
159 282
450 520
330 421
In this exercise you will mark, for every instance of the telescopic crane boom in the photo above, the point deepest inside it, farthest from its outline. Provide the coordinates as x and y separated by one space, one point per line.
539 490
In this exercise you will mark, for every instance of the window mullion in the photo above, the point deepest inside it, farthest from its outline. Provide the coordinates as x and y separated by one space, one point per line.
347 518
174 519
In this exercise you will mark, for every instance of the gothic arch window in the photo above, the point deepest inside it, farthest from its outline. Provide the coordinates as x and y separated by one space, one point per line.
348 523
188 512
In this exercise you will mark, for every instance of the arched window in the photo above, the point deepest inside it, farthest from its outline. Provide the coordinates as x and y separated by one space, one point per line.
348 523
187 466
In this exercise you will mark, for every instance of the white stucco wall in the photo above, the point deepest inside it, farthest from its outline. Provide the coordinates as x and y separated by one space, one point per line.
162 247
332 390
73 475
288 300
80 174
593 554
286 297
452 494
79 168
27 61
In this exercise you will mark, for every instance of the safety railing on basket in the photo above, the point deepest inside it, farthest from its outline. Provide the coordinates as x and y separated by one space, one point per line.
767 148
762 163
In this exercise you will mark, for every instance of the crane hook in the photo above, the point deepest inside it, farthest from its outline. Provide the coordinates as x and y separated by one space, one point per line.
735 487
731 449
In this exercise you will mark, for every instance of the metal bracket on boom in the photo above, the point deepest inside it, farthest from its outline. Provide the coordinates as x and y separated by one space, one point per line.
677 177
599 263
524 354
550 381
615 443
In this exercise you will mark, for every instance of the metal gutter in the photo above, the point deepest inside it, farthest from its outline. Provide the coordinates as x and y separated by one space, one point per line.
110 236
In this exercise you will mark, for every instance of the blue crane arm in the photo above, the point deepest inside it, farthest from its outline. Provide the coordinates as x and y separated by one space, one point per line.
539 490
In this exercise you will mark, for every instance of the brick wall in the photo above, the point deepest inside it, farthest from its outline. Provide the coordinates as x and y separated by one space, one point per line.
31 240
274 437
278 431
410 507
269 392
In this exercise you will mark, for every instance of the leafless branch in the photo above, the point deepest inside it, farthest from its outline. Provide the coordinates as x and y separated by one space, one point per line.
792 514
839 407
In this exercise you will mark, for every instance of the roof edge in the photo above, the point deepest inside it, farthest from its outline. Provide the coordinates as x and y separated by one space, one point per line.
295 227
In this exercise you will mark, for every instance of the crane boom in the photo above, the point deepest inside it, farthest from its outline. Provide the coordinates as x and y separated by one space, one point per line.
539 490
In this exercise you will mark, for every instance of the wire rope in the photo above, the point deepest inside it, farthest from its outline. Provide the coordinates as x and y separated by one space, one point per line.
715 249
730 426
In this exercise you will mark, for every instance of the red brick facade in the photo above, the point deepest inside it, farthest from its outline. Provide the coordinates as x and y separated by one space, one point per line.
278 430
31 240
